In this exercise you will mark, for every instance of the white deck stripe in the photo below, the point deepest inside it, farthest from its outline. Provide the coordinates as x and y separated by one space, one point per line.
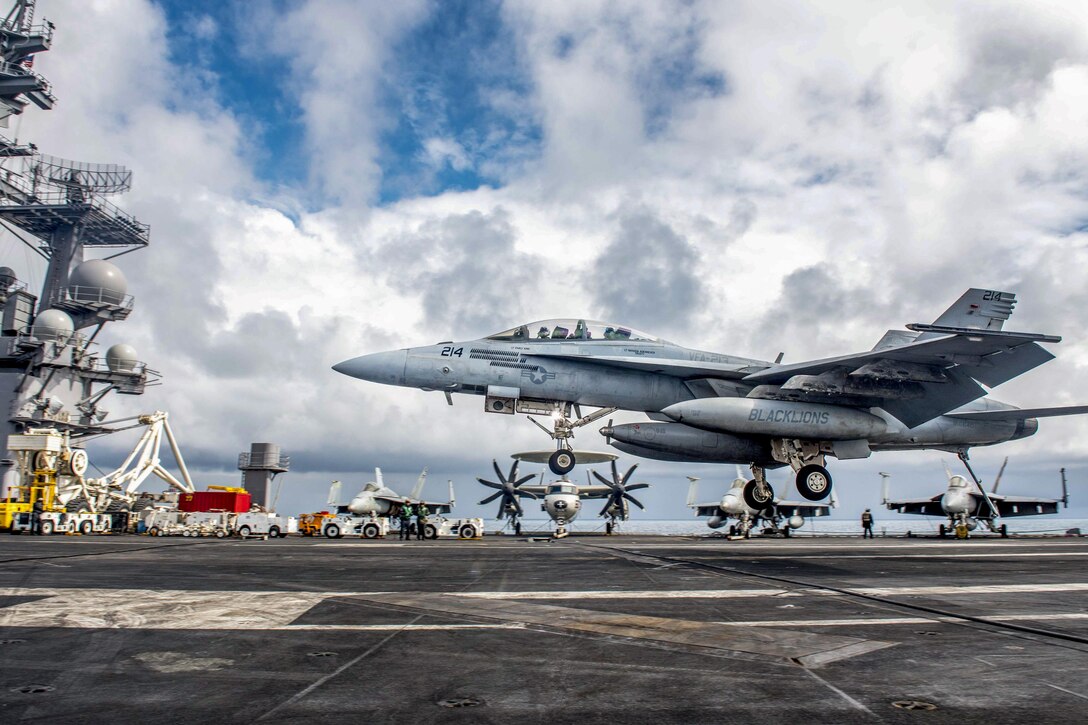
770 592
234 610
619 594
855 622
395 627
841 557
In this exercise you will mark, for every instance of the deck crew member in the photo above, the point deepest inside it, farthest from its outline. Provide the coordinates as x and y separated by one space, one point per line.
867 524
421 521
36 516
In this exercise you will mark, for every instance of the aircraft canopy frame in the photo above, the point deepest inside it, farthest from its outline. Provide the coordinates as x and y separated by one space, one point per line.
566 329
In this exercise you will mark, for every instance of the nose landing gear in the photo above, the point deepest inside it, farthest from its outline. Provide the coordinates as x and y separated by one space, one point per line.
564 459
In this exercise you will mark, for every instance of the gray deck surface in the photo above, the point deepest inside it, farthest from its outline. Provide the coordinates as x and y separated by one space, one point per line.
634 629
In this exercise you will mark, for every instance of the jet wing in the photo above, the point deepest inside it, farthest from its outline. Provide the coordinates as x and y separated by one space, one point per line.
802 508
1023 505
438 507
919 506
663 366
435 507
1020 413
920 380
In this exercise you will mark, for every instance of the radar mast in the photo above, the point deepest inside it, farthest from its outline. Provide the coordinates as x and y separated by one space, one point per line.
51 373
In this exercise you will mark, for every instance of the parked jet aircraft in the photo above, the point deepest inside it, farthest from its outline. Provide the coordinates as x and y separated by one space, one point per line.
780 516
378 499
966 505
562 499
915 389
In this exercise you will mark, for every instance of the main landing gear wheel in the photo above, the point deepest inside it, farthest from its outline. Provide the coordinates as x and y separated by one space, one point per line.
755 498
814 482
561 462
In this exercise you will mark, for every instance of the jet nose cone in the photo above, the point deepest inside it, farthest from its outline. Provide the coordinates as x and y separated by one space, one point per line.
380 367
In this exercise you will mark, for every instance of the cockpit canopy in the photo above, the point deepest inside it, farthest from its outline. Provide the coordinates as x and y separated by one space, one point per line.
572 329
957 482
562 488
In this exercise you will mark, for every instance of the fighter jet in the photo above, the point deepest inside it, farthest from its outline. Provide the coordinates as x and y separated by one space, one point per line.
780 516
916 389
378 499
966 505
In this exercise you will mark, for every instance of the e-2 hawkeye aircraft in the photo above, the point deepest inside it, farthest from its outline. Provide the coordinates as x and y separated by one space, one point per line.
562 499
916 389
966 505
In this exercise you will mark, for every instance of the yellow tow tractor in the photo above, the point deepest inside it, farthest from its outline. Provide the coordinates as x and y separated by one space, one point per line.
310 524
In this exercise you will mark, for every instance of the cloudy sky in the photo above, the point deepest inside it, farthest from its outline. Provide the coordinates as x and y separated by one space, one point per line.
326 179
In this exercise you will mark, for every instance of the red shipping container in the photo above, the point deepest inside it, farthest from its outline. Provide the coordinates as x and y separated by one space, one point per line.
214 501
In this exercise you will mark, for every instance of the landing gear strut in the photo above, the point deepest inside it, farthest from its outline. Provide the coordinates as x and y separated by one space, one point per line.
991 508
806 458
563 460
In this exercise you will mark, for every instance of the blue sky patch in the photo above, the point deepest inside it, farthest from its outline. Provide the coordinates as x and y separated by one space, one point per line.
459 93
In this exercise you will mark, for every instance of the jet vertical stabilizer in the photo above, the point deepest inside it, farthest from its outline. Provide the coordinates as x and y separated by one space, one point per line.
978 308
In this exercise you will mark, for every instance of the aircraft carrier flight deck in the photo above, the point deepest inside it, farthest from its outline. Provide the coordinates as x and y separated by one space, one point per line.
636 629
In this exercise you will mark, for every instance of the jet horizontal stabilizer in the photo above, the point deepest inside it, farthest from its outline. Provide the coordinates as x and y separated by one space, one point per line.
947 330
1020 413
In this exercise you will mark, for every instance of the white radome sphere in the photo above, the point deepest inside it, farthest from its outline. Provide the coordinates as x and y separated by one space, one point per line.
53 325
98 280
121 358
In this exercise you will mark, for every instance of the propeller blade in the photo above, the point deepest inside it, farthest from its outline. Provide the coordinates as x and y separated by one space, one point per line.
490 484
498 471
608 439
604 480
502 510
526 494
607 505
517 507
627 475
634 500
490 498
636 486
513 471
523 479
615 473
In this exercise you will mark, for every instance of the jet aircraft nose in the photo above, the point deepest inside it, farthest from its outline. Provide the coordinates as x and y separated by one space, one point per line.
380 367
